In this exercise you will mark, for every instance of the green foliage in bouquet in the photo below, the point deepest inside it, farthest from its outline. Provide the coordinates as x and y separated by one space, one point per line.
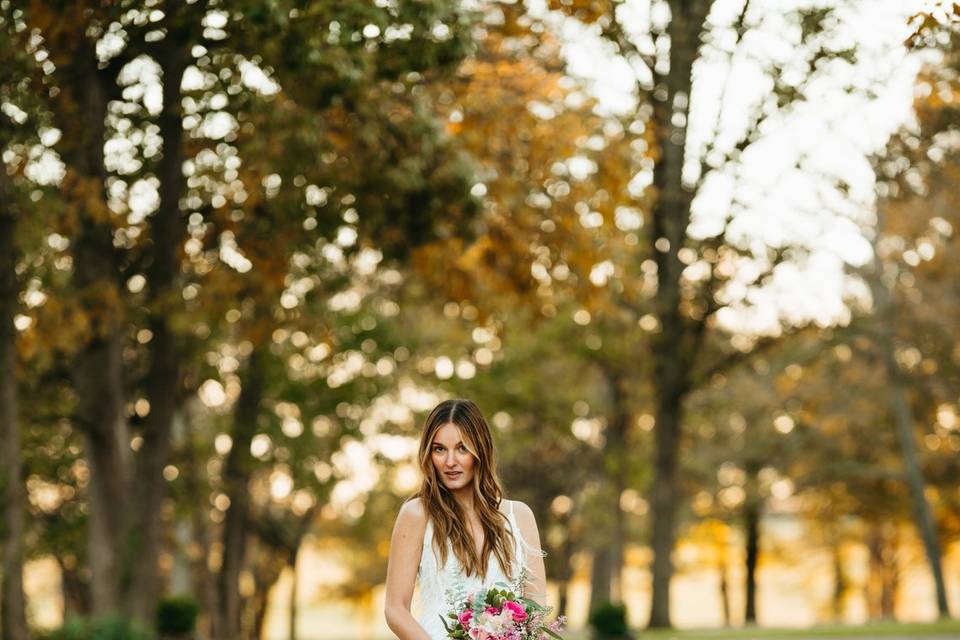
454 630
109 628
496 597
608 621
177 616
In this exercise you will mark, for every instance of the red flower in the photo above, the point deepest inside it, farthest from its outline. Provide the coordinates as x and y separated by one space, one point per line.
519 615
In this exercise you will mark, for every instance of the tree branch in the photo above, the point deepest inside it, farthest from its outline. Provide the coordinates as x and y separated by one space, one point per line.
739 28
614 32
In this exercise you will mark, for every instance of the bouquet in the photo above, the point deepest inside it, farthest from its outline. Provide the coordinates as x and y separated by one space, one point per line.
499 614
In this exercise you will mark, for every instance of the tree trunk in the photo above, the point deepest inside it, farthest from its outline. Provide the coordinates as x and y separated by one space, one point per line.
13 620
562 567
563 597
617 548
206 583
77 599
872 586
98 368
903 417
600 577
724 592
259 605
663 506
751 519
671 350
616 447
888 592
883 572
236 477
197 494
162 382
266 572
839 584
891 574
904 422
294 554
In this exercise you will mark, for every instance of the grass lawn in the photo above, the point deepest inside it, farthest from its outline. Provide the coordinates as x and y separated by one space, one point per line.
944 628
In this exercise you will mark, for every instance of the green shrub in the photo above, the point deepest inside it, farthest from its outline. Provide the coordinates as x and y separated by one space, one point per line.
609 620
109 628
177 616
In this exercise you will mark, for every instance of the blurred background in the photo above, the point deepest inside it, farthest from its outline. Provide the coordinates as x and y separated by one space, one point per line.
697 262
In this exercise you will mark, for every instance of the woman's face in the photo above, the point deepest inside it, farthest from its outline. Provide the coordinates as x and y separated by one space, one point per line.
454 463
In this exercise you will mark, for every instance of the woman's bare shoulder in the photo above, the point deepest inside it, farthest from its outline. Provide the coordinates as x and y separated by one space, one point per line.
413 511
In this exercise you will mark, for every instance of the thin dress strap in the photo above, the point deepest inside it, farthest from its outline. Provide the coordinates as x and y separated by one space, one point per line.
519 551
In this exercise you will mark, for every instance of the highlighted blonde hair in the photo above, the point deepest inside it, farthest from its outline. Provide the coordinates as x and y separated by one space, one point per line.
449 520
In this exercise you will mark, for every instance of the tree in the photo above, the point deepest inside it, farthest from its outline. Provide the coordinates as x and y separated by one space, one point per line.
904 423
12 603
22 125
900 279
558 216
695 267
88 60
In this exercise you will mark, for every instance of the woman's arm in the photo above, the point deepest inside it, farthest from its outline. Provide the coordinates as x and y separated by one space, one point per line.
536 586
406 544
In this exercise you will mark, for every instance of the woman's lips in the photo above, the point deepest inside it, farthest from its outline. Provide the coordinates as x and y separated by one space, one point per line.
453 475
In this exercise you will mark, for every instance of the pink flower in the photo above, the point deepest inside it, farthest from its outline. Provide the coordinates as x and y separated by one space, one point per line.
465 617
519 615
558 624
492 610
478 633
505 619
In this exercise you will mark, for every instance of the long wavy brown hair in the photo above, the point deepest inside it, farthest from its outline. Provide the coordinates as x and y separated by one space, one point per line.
449 520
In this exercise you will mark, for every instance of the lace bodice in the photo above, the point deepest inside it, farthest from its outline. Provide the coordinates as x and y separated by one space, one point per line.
440 586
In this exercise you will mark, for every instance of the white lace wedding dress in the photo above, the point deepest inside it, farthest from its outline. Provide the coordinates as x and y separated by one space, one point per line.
441 586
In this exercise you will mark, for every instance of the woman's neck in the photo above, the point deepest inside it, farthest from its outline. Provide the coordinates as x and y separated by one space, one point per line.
465 500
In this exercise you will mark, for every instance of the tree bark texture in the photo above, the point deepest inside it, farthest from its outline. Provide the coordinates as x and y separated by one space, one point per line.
672 355
167 229
904 421
13 621
98 370
751 519
237 473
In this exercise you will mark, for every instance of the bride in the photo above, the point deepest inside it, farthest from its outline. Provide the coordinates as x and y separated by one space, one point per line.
459 534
